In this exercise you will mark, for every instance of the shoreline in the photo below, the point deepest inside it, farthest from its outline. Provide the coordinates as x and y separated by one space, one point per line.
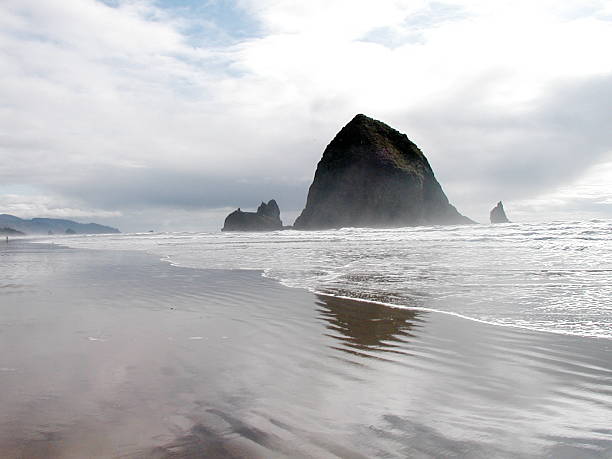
120 354
167 259
449 313
549 279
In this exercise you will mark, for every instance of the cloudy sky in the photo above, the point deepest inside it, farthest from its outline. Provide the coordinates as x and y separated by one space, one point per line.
168 114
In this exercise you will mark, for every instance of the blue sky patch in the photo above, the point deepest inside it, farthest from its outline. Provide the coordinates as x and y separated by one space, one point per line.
212 22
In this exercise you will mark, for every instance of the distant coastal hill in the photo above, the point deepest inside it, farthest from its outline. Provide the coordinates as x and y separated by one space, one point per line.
52 226
10 232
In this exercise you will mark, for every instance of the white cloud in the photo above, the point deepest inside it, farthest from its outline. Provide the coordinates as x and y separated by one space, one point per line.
590 196
30 206
91 93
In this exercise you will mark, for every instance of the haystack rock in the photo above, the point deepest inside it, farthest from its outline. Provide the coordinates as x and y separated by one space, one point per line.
371 175
267 218
497 214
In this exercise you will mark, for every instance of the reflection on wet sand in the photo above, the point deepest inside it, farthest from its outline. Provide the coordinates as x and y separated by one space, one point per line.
360 325
115 354
221 435
238 440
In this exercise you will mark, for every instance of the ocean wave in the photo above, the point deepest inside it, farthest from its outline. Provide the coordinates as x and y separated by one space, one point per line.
543 276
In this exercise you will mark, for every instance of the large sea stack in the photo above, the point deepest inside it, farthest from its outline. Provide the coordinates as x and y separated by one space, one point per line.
498 215
267 218
371 175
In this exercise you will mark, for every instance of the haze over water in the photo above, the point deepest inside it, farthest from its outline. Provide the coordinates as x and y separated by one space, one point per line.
547 276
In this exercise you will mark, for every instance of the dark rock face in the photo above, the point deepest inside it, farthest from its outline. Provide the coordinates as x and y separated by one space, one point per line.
371 175
497 214
267 218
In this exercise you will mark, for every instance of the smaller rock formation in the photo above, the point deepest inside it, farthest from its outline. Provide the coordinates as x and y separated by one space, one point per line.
498 215
267 218
70 231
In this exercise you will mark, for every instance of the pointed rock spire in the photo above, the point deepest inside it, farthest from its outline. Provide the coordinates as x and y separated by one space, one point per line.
498 215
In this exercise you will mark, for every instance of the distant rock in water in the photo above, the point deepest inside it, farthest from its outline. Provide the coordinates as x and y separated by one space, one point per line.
371 175
267 218
497 214
52 226
70 231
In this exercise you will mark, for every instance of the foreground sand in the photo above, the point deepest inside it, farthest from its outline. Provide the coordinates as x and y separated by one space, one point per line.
117 354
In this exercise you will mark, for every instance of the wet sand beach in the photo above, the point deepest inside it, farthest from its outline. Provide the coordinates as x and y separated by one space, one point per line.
118 354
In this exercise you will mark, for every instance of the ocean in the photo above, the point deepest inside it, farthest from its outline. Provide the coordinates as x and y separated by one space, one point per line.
430 342
554 277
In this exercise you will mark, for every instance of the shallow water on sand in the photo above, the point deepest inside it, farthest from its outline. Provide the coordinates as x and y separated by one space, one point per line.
548 276
116 354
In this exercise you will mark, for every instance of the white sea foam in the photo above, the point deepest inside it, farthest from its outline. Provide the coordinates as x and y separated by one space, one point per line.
550 276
